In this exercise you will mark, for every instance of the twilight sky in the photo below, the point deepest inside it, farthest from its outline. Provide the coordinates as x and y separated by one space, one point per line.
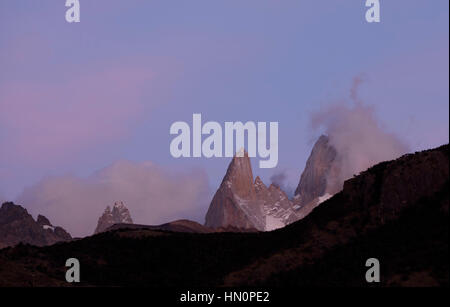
77 98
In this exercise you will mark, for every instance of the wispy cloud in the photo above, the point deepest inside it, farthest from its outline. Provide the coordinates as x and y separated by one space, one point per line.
357 135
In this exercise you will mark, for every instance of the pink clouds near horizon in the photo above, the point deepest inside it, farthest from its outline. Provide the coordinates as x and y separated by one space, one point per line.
154 195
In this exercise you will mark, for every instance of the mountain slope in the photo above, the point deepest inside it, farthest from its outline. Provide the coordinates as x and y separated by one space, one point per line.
396 211
175 226
380 198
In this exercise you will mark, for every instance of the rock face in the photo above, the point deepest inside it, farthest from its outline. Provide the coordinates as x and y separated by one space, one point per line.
234 203
243 203
18 226
315 178
118 215
319 180
240 202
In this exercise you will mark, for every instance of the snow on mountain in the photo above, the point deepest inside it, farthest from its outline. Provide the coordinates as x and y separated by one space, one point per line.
118 215
243 203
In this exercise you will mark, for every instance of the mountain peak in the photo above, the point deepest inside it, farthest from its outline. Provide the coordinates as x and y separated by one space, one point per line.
43 221
18 226
320 164
241 153
118 215
11 208
239 175
246 204
119 205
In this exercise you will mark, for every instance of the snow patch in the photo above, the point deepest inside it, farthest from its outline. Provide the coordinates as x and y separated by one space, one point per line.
273 223
48 227
324 198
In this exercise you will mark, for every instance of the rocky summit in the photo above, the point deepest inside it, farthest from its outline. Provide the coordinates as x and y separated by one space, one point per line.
118 215
18 226
320 178
315 179
245 203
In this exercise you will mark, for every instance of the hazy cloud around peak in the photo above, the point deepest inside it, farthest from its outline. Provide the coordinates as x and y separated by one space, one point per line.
152 194
357 135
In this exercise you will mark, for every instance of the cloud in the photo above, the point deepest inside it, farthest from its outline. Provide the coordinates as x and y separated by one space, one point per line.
357 81
152 194
358 137
280 179
59 120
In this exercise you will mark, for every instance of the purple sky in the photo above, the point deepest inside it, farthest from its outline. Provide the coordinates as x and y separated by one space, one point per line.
75 98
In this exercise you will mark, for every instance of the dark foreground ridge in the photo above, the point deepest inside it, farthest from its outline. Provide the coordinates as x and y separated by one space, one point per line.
396 211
